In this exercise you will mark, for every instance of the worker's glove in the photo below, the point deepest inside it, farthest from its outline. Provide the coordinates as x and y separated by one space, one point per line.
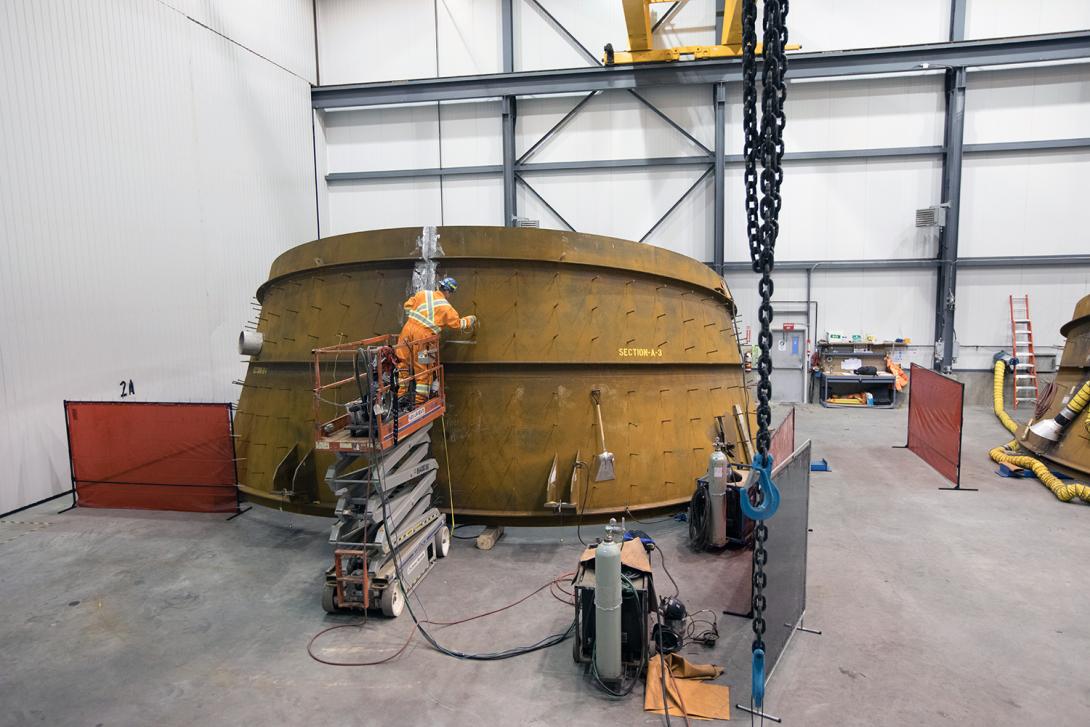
471 323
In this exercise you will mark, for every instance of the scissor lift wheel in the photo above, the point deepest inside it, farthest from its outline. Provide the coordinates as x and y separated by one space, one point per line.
392 601
442 542
329 598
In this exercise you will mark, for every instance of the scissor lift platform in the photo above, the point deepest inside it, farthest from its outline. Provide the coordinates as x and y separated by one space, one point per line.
387 527
342 441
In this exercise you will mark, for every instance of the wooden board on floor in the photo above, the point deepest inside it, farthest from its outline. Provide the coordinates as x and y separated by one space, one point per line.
487 539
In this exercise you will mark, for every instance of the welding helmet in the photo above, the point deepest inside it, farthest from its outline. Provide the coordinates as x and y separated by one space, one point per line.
448 285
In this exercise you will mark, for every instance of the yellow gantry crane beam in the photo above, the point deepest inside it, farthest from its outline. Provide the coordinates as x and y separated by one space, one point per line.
637 16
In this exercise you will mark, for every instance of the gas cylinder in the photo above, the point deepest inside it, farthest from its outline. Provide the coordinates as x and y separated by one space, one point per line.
718 476
607 604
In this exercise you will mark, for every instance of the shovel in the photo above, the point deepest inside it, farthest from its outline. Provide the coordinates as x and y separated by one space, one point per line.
605 458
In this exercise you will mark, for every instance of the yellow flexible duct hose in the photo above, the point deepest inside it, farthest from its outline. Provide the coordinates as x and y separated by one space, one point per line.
1007 454
1065 491
1000 372
1079 401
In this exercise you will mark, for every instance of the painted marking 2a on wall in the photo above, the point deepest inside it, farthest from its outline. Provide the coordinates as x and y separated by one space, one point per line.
127 388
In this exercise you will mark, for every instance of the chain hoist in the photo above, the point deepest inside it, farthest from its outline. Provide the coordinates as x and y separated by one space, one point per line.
763 144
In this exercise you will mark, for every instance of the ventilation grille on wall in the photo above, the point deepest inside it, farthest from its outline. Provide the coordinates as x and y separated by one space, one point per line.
931 216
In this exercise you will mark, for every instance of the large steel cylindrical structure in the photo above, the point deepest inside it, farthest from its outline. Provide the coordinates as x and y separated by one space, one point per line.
1072 451
561 314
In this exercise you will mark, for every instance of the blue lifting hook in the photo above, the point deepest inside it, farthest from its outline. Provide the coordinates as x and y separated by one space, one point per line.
762 480
758 692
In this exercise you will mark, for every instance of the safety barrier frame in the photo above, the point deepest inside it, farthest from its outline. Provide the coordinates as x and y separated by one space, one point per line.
925 412
71 408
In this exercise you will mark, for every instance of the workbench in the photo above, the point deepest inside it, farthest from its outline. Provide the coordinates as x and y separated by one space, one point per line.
886 380
830 373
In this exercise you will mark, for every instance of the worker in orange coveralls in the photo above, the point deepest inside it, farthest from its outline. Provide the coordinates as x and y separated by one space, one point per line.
429 311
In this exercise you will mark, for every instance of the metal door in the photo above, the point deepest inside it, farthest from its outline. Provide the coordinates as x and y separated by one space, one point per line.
789 364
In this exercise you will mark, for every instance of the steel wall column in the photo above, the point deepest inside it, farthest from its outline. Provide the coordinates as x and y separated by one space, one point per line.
720 186
951 196
507 30
509 207
957 19
953 153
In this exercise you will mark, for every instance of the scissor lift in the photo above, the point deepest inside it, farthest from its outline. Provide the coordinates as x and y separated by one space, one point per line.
382 474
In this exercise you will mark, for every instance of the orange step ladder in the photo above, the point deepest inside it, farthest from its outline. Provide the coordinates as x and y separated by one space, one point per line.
1024 380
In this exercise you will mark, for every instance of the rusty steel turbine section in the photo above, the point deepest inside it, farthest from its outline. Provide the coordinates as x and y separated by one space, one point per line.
561 315
1072 451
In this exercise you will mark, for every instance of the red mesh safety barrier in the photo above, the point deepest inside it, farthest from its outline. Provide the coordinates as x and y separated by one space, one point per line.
152 456
782 445
935 421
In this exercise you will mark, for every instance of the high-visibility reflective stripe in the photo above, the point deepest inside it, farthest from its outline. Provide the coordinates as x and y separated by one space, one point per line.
414 316
423 307
429 299
422 388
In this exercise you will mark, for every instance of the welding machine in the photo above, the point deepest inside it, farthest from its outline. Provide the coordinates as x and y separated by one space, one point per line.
636 605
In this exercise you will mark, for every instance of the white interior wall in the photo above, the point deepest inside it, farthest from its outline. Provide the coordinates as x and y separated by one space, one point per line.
856 209
887 304
375 40
1041 102
859 113
279 36
1002 18
617 125
1013 204
151 171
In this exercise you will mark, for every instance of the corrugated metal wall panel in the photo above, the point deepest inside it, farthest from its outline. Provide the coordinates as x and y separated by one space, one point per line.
888 304
1025 204
1043 102
151 172
362 41
1000 18
622 202
282 31
1053 293
845 210
615 125
861 113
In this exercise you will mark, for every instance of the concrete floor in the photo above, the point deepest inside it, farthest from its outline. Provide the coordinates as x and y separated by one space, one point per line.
937 608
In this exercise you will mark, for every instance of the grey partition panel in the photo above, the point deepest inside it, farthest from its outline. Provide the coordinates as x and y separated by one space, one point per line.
786 545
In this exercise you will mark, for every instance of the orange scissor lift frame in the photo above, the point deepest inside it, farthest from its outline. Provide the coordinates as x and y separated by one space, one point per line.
334 435
393 460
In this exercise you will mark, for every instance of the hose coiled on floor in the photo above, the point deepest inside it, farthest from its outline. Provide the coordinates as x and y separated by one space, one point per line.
1008 454
1065 491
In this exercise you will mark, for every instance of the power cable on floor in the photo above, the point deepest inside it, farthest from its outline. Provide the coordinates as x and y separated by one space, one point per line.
467 537
395 547
677 591
310 651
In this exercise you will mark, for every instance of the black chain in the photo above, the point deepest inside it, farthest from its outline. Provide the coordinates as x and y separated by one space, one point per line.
762 224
